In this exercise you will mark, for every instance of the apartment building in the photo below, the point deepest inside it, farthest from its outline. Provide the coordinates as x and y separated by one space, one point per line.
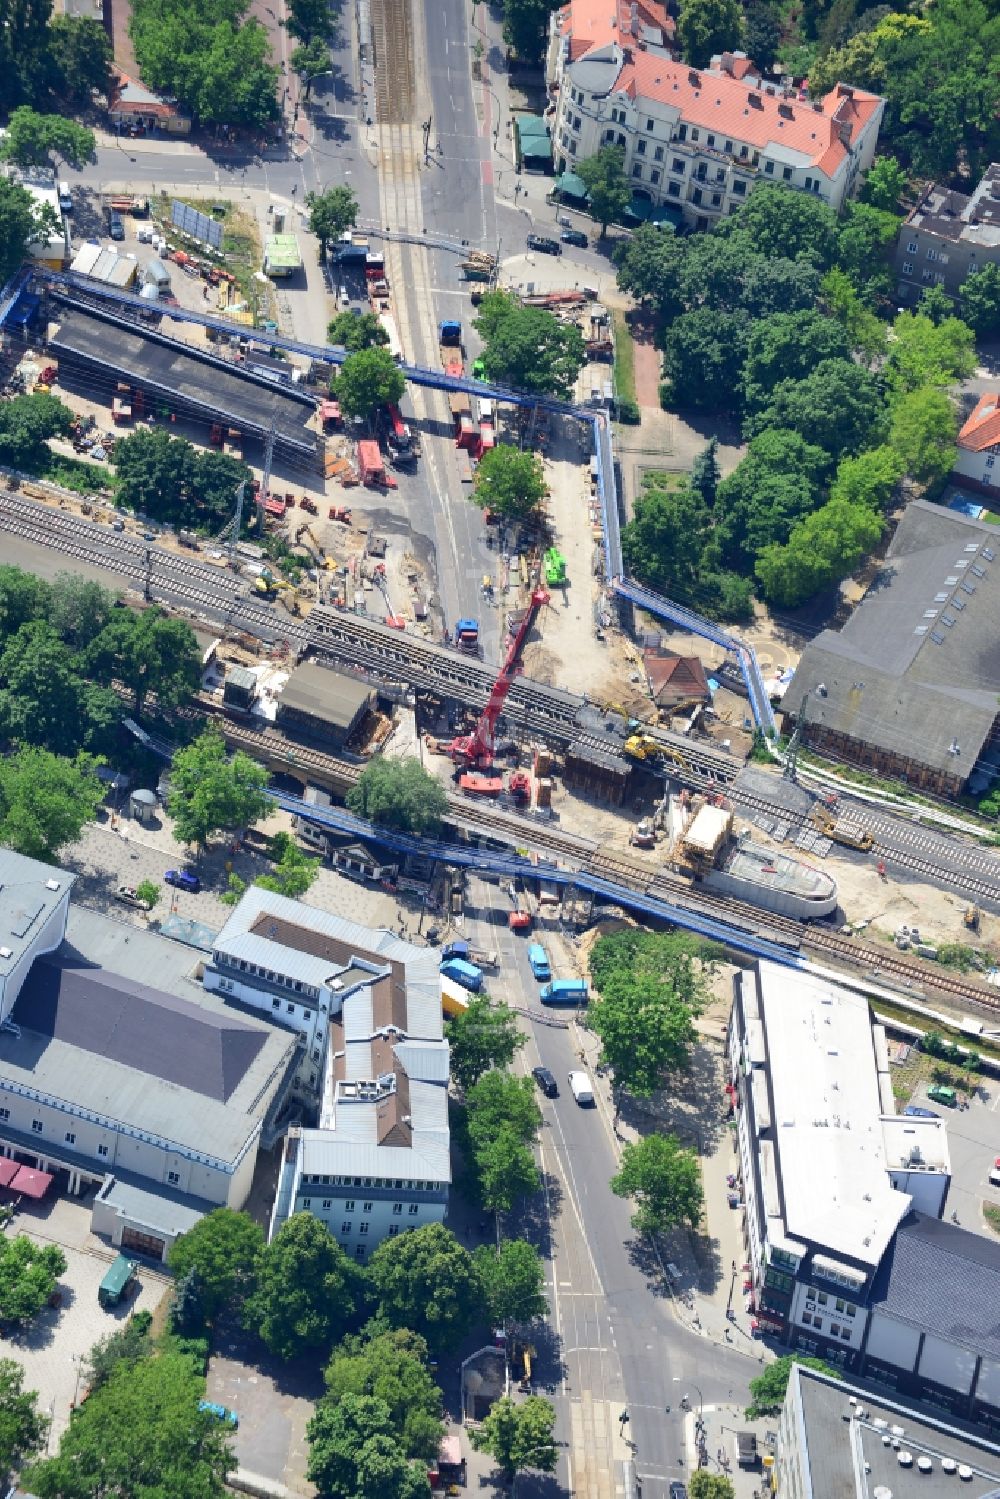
977 463
848 1257
371 1157
947 237
697 140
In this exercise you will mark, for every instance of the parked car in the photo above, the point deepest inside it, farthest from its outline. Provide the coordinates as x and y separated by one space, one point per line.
221 1412
545 245
941 1094
115 227
129 895
577 237
914 1111
184 880
678 1491
546 1081
581 1088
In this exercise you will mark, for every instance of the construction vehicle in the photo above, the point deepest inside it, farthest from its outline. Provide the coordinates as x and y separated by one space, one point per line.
308 505
372 468
555 568
478 266
477 749
306 537
850 835
643 835
645 748
266 585
519 786
971 918
342 513
467 635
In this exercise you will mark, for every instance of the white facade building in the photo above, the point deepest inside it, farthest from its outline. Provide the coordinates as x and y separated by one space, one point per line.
34 909
699 139
978 457
368 1006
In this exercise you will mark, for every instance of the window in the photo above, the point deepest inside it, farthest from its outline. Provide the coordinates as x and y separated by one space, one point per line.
621 139
650 124
845 1333
852 1311
696 195
36 1126
818 1323
173 1177
938 278
4 1114
637 170
807 1319
572 148
674 189
654 178
932 254
907 267
366 1207
716 199
912 247
720 174
729 148
349 1205
658 154
359 1251
69 1137
397 1210
290 1008
840 1304
327 1204
809 183
786 173
990 461
835 1329
739 188
275 1004
102 1150
641 148
393 1230
363 1228
677 165
345 1228
307 1203
711 140
682 132
414 1209
822 1298
769 168
696 135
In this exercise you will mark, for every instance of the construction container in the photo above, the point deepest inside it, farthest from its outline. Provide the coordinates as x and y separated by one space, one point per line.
543 795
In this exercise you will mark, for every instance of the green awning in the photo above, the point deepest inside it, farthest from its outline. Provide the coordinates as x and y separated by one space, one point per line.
533 137
642 209
571 186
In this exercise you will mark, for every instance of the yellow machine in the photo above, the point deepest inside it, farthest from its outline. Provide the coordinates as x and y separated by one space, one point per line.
645 747
267 585
849 837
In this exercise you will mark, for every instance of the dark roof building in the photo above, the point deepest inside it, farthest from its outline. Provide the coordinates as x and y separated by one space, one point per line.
324 704
909 686
948 236
675 681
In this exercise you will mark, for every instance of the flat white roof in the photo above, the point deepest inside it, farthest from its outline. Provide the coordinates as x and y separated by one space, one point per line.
828 1122
916 1144
708 827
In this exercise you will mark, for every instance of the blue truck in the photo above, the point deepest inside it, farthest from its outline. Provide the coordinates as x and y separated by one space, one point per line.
467 974
539 962
565 992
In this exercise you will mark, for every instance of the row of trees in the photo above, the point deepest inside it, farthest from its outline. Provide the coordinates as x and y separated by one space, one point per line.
772 318
174 482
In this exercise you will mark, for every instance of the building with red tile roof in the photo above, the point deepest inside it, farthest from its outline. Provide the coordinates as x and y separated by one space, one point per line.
134 107
675 682
696 140
978 460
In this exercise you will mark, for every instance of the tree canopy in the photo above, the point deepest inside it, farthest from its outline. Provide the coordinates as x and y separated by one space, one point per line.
355 331
141 1433
353 1450
509 482
367 380
426 1281
706 27
221 1252
527 347
22 221
512 1276
980 295
663 1180
398 794
391 1367
22 1427
210 56
518 1435
169 479
767 1391
212 792
651 989
331 213
46 700
45 799
308 1292
26 424
603 175
482 1036
28 1276
32 139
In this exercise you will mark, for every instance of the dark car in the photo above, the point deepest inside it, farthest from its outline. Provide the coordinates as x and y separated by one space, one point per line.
678 1491
546 1081
914 1111
183 879
574 237
546 246
115 227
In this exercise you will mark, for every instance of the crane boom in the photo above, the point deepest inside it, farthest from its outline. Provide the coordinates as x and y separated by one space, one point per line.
477 748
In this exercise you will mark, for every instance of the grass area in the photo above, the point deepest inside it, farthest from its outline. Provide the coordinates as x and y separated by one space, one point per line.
624 366
72 473
669 480
990 517
992 1215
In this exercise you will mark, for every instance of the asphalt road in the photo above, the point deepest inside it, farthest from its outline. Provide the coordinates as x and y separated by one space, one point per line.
614 1342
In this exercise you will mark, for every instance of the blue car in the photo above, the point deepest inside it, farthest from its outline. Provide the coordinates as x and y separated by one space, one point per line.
916 1112
221 1412
183 879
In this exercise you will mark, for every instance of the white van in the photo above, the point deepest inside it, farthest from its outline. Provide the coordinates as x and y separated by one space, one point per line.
995 1177
65 198
582 1091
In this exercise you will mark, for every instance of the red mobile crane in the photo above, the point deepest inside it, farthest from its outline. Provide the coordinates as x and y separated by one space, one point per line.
476 749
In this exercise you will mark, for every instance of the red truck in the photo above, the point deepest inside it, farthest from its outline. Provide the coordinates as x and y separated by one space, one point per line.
372 468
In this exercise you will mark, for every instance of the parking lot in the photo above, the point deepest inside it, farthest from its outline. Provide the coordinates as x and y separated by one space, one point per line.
974 1144
55 1346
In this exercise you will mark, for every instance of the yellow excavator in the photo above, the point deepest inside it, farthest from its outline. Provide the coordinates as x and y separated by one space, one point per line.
849 835
645 747
311 544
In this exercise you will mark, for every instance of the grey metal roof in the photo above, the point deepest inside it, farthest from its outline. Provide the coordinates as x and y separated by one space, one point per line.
162 1212
914 670
943 1279
325 1153
849 1459
325 694
597 72
158 1034
426 1062
26 901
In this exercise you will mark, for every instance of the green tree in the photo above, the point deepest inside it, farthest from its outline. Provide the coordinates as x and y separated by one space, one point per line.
222 1250
353 1450
310 18
524 26
26 424
211 792
763 33
778 482
391 1367
32 138
28 1276
924 353
148 892
512 1276
43 698
310 58
603 175
705 1485
398 794
383 1470
425 1280
663 1180
292 871
141 1433
331 214
885 184
705 472
482 1036
936 304
704 352
835 407
80 55
355 331
78 608
865 331
367 380
864 238
788 346
518 1436
154 472
767 1391
648 263
23 596
705 27
664 542
22 1428
779 223
528 348
308 1290
980 297
869 479
646 1029
499 1101
923 428
150 653
216 62
505 1171
509 482
823 548
129 1344
45 800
